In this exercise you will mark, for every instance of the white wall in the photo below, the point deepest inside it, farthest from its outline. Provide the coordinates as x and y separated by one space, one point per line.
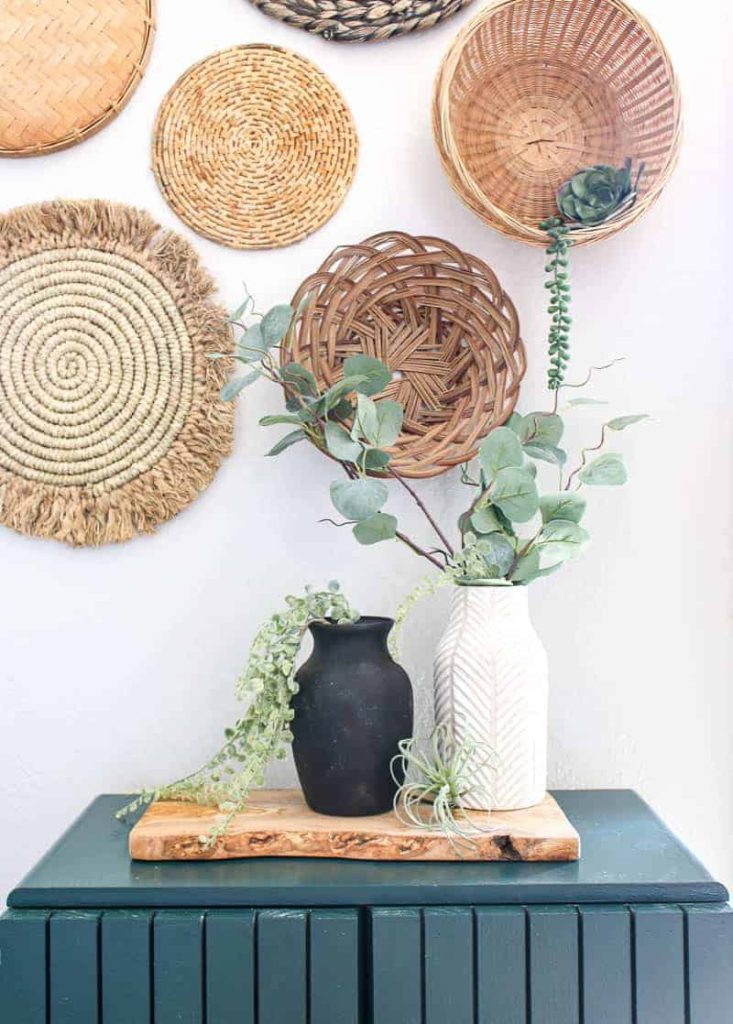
117 665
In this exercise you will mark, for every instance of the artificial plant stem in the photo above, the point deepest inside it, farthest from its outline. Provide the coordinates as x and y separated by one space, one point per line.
583 457
423 508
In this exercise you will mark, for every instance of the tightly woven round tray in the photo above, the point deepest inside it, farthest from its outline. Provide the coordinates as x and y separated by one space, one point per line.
442 323
67 67
110 417
254 147
361 21
533 91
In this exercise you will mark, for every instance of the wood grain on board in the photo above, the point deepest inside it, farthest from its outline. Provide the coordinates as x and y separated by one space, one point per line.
277 823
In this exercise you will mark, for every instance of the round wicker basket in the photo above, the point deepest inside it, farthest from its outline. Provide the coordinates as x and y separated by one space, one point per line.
254 147
439 319
532 91
67 67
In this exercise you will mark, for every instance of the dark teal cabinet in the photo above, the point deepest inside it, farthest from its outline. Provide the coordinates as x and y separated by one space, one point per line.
636 933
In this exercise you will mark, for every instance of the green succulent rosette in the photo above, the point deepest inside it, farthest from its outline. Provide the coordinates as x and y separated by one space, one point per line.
596 194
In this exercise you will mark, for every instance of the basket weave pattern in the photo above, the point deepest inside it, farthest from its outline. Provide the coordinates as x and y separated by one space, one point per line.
361 21
254 147
442 323
67 67
534 90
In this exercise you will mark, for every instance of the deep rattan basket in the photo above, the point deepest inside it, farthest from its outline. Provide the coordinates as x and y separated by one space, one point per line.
440 320
532 91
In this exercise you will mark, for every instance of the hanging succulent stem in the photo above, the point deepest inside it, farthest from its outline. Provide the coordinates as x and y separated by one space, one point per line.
558 339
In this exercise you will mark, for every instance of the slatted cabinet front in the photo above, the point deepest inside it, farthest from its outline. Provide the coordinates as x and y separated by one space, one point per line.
604 964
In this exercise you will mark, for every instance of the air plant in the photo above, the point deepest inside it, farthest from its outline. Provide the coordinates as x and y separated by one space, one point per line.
434 785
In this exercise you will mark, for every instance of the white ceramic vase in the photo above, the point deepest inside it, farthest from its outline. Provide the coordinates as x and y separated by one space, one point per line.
491 682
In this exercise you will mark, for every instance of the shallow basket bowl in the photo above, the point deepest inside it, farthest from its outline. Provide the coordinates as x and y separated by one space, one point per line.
532 91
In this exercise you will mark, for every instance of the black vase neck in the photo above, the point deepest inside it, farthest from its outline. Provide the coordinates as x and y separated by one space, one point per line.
332 639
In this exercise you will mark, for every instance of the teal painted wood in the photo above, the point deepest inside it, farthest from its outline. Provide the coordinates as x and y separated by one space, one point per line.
659 965
501 965
335 963
710 965
178 985
126 944
606 958
448 964
230 963
282 966
553 965
23 967
396 966
73 966
629 856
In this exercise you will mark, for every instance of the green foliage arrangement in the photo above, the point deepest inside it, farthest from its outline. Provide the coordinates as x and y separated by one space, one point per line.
262 734
596 194
434 784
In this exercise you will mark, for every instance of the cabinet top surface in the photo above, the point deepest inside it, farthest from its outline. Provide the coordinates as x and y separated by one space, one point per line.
629 856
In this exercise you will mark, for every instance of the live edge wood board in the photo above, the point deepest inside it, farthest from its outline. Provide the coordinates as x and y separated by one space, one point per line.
279 824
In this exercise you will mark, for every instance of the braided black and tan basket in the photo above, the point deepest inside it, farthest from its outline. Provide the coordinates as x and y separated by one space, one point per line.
360 21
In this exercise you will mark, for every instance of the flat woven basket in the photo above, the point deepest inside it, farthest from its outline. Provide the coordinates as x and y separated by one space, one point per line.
67 67
254 147
532 91
110 415
361 21
439 319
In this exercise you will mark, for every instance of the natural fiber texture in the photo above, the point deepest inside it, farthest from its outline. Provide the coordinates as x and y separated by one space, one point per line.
254 147
361 21
532 91
67 67
442 323
110 417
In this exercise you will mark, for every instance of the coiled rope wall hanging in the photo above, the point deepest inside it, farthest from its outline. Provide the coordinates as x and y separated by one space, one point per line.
361 21
110 417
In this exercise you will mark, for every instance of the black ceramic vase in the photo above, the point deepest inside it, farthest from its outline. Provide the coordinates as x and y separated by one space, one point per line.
353 707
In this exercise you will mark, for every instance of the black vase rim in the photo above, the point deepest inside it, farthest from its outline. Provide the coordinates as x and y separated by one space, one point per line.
362 625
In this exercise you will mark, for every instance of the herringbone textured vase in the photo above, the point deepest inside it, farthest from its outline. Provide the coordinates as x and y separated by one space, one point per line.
491 683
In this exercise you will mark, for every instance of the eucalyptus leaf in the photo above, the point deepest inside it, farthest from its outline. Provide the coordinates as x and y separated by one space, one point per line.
374 460
276 324
514 423
542 427
498 553
560 540
389 424
622 422
485 520
340 444
337 391
528 568
499 450
546 453
273 421
375 374
566 505
366 421
236 385
378 527
252 345
301 378
515 493
358 500
285 442
605 471
241 309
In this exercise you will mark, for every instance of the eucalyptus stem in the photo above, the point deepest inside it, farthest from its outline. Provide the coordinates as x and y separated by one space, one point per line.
423 508
584 457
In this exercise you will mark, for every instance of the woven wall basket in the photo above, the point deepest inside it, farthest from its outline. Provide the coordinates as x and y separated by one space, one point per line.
67 67
361 21
110 418
254 147
439 319
532 91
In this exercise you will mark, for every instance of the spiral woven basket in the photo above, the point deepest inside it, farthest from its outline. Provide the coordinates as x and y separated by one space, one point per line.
442 323
67 67
361 21
110 416
533 91
254 147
